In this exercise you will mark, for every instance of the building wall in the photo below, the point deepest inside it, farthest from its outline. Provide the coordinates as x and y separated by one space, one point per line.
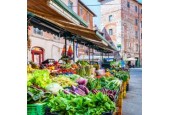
123 25
83 14
51 44
129 15
75 2
115 24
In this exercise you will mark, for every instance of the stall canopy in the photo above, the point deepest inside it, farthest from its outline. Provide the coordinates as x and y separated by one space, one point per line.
53 9
43 9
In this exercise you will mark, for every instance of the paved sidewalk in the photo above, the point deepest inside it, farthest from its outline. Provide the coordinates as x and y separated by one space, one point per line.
132 104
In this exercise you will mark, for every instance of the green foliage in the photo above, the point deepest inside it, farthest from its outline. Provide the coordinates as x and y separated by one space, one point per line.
91 104
104 82
83 63
40 78
123 75
35 95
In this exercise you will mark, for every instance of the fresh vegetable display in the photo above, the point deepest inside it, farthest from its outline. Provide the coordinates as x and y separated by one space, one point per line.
40 78
79 90
74 77
54 88
82 81
75 89
123 75
82 63
103 82
110 93
91 104
64 81
35 95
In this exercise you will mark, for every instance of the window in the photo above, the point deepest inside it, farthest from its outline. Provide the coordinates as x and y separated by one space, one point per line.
37 31
141 24
110 18
141 35
81 11
128 4
110 32
136 21
136 8
70 4
137 47
88 18
136 34
141 11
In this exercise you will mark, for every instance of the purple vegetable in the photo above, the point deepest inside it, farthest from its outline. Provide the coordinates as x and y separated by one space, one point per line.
84 88
80 92
114 92
73 88
66 92
82 81
73 92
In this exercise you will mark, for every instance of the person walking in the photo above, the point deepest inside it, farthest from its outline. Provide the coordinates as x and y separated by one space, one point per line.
122 63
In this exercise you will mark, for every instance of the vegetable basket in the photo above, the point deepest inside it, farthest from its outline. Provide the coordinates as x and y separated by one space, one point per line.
36 109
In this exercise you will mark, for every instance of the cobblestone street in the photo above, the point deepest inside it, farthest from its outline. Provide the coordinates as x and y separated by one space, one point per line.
132 104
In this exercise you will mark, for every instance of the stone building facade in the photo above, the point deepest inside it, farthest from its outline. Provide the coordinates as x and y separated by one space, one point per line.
121 21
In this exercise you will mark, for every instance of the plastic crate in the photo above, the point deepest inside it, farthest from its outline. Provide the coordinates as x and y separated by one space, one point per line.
36 109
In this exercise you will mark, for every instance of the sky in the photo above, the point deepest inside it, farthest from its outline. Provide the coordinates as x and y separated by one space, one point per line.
96 9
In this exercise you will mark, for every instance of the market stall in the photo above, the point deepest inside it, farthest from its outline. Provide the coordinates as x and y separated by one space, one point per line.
70 88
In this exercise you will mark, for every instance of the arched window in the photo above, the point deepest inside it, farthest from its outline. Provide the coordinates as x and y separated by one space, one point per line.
37 55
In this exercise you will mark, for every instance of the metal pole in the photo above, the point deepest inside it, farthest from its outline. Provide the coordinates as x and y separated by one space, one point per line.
73 51
108 55
89 54
102 55
65 46
92 54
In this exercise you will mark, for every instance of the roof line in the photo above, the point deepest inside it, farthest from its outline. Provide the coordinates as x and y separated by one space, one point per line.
72 13
87 8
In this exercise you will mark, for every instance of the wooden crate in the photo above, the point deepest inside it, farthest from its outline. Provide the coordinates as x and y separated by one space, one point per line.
118 112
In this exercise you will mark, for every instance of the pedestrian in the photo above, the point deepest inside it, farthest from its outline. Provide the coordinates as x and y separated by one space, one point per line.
122 63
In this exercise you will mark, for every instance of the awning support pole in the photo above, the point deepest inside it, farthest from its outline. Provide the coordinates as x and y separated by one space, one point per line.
65 46
102 55
73 51
89 54
92 54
